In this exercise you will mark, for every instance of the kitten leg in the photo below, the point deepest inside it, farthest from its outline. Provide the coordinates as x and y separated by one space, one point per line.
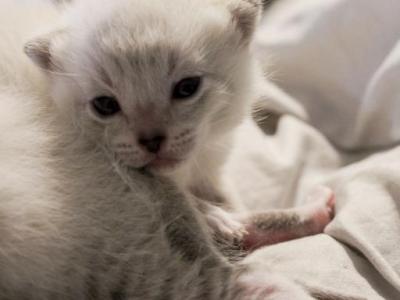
277 226
254 230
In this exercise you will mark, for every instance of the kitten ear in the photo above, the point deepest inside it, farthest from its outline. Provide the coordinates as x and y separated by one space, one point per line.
40 49
245 14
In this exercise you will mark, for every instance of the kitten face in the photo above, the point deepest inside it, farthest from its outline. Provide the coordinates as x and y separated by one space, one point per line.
151 81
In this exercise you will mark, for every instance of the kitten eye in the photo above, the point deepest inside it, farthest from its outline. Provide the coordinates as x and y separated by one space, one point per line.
105 106
186 88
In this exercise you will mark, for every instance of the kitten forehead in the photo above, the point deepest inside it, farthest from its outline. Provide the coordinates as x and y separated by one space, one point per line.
127 41
137 51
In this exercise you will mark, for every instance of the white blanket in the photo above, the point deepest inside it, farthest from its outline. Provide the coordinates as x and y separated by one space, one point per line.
340 60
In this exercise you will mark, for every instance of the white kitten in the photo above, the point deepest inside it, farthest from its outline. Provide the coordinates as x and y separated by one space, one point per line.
159 84
70 227
73 225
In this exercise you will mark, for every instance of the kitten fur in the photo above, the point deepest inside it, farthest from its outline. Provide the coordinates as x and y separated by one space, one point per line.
75 225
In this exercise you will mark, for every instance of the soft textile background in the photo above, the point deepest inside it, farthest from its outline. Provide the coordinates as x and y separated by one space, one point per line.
340 60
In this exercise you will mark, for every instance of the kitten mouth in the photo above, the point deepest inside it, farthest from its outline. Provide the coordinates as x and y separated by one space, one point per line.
160 163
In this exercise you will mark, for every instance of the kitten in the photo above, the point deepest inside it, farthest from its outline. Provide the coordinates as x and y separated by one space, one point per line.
161 92
76 225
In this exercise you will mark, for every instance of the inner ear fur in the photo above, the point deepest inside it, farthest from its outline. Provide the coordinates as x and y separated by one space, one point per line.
40 49
245 15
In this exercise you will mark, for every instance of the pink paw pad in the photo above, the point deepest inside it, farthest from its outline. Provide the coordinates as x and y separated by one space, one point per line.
321 211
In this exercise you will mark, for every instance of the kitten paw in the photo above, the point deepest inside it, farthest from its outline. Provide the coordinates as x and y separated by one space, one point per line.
224 224
321 210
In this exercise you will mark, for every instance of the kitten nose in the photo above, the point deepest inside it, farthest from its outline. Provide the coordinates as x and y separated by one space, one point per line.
152 144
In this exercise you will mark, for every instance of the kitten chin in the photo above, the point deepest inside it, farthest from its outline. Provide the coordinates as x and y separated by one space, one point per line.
163 166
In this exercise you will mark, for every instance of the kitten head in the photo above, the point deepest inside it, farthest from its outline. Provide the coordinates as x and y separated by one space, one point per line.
154 82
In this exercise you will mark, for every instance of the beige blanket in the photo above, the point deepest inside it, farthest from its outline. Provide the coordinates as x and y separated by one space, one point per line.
327 105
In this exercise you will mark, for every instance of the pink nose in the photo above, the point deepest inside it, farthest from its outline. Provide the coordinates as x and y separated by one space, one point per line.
152 144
